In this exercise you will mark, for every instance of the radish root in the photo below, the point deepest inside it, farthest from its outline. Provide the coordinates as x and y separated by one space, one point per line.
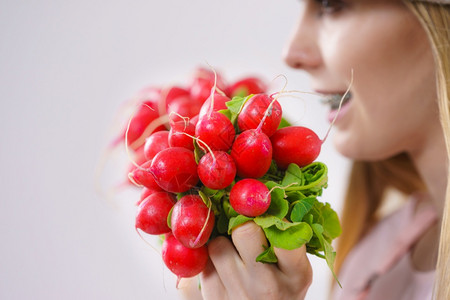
153 247
280 187
204 224
266 113
205 144
339 108
185 119
213 89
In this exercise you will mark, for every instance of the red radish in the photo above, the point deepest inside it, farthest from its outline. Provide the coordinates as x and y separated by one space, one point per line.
142 176
139 155
153 212
182 261
175 169
145 192
202 83
172 93
145 114
178 137
250 197
192 221
138 158
184 106
295 144
219 104
254 111
252 153
194 120
216 130
216 170
156 142
247 86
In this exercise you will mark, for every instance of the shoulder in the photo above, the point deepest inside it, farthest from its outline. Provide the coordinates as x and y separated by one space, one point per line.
382 249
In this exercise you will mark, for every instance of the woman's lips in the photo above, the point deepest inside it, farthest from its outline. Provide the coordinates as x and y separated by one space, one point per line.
338 103
337 114
335 99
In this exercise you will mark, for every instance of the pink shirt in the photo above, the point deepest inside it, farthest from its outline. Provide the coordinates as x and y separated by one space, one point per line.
379 267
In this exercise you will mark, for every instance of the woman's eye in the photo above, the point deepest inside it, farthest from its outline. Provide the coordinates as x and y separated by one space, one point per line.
330 6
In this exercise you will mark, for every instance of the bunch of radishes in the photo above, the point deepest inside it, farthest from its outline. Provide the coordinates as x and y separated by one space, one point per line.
226 156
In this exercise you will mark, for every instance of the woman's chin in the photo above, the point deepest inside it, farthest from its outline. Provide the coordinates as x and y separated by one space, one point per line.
354 148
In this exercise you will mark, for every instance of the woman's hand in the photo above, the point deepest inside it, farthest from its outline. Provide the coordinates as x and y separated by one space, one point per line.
233 273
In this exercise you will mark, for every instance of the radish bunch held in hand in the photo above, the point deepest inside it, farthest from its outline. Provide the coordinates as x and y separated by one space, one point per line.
225 157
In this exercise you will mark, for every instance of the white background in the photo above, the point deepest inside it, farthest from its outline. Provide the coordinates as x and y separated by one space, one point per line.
65 69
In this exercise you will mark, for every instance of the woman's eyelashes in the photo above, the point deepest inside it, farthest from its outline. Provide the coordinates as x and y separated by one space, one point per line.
328 7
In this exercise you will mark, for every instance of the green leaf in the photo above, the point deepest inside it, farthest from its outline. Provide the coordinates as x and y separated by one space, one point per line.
198 152
315 245
331 224
222 224
282 234
236 221
169 218
294 196
267 256
205 198
283 123
161 239
315 178
235 106
301 208
266 221
328 249
214 195
241 91
226 112
228 209
279 206
293 175
308 218
209 203
291 238
273 173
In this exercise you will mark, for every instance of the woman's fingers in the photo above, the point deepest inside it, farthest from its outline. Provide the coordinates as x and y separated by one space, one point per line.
227 264
249 240
189 288
295 264
233 273
211 283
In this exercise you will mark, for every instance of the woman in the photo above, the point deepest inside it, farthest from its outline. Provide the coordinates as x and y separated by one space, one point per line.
395 126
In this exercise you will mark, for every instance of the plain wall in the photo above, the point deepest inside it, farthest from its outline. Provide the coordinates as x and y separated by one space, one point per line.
66 68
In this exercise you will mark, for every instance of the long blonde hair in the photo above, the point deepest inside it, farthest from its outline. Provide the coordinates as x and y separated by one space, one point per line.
369 181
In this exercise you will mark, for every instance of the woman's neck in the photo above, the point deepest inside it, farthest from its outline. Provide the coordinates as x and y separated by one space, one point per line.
431 161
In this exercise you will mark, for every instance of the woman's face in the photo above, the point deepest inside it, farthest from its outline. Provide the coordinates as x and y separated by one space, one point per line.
392 105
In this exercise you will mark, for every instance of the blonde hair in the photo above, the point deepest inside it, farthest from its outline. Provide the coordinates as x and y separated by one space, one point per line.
436 21
369 181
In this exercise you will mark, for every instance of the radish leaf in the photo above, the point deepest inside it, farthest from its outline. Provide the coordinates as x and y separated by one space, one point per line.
236 221
267 256
301 208
328 249
279 206
283 234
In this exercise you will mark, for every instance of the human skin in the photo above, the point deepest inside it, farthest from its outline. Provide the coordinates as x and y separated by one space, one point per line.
392 110
384 44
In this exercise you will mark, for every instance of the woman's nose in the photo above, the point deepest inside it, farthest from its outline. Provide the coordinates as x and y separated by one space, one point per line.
302 51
